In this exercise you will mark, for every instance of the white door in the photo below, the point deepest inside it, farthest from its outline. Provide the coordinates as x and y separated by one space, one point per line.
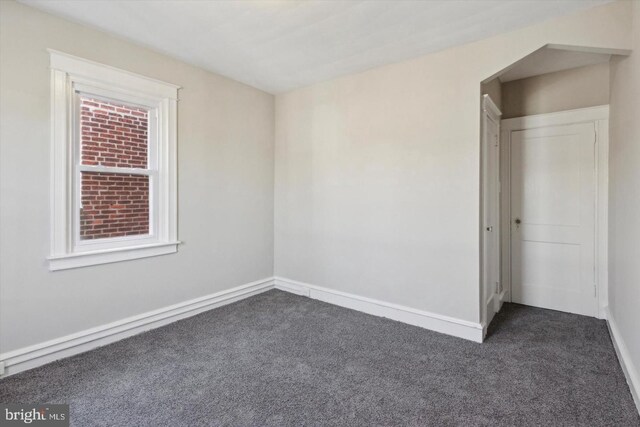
553 187
490 208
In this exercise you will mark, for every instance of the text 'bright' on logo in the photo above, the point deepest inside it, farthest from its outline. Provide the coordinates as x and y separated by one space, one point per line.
44 415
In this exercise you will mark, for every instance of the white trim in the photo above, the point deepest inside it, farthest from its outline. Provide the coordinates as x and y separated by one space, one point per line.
590 49
36 355
490 107
580 115
106 256
70 74
424 319
505 211
602 215
625 359
599 116
109 169
100 72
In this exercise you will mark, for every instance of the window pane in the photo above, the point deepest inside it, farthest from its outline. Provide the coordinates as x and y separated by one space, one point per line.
113 134
114 205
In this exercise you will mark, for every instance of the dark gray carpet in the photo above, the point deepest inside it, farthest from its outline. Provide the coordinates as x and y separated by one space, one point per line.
282 360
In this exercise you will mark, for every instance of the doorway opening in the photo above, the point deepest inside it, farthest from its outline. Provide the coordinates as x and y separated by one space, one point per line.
543 211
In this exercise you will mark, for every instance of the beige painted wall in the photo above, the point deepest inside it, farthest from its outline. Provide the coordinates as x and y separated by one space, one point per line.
225 185
377 178
624 200
563 90
377 173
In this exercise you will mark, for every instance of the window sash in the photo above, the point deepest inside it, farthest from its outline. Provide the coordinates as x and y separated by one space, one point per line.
78 244
110 242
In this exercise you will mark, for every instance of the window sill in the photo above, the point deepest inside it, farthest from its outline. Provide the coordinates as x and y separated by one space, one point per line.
105 256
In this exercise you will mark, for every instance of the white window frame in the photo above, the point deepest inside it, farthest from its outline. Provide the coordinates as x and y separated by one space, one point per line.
71 77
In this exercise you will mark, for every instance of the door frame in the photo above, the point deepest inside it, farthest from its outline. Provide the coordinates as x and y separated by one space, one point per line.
599 116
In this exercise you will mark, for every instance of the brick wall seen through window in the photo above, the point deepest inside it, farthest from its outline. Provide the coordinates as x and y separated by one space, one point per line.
113 204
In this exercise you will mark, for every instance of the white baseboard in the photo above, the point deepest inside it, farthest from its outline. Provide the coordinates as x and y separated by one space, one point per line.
432 321
39 354
36 355
49 351
629 369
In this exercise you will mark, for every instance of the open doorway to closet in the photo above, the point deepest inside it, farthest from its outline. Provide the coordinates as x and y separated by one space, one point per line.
544 183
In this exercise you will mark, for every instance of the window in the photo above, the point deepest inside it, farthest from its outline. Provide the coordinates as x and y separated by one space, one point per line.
113 195
113 170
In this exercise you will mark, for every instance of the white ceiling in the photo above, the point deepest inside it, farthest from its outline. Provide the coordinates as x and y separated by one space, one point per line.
279 45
